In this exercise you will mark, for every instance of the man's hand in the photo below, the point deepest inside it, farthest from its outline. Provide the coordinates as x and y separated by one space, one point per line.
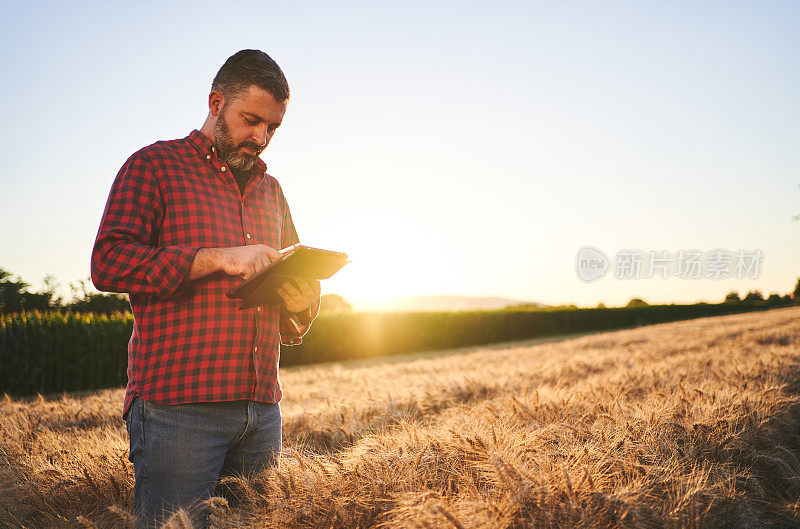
300 298
246 261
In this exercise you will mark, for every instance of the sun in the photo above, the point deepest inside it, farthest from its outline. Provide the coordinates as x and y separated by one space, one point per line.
384 262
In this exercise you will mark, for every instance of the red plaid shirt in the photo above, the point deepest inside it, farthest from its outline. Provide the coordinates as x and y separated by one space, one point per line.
190 342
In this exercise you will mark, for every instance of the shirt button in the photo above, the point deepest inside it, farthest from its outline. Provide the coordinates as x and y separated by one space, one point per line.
248 235
258 309
208 156
212 148
223 168
255 349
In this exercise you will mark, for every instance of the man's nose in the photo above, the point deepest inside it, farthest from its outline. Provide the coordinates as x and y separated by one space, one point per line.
260 137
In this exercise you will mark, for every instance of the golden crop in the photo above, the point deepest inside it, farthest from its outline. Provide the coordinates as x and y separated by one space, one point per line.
687 424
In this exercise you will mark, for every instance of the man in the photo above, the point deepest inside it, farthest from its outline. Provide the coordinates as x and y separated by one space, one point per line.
187 220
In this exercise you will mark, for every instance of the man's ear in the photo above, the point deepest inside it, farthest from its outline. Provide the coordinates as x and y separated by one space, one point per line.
215 102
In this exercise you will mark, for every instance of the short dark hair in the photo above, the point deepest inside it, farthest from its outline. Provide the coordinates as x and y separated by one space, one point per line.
250 67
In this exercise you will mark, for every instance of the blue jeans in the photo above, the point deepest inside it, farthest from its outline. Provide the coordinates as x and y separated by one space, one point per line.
179 452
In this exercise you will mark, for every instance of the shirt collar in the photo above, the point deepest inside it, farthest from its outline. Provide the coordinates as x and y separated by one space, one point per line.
205 147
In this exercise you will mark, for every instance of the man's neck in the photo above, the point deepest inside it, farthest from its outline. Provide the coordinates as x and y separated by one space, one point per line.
241 179
208 129
240 175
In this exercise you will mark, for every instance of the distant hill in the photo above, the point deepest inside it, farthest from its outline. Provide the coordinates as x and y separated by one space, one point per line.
444 303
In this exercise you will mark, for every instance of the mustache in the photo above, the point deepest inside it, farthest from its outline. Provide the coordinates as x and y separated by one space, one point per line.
255 148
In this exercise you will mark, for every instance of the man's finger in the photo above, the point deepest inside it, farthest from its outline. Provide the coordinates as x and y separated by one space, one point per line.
313 287
272 253
292 304
264 263
288 299
305 288
290 289
282 293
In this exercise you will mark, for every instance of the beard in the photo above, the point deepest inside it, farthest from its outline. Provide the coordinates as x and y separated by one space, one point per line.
227 149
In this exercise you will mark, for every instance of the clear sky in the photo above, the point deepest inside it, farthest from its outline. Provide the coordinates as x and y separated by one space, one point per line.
466 148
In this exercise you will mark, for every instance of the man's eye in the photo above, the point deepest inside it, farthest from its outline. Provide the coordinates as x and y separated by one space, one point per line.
250 121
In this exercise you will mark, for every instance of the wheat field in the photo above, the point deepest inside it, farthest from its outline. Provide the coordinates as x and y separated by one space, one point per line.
687 424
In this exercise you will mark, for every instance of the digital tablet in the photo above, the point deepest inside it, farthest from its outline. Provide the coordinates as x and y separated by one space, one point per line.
298 261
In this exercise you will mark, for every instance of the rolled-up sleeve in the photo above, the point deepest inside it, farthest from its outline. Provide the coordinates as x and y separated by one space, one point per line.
124 256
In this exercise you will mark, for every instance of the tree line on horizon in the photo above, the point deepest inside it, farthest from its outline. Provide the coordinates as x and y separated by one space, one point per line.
15 296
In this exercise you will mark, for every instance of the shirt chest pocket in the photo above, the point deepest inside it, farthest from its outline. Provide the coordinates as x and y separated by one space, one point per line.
196 218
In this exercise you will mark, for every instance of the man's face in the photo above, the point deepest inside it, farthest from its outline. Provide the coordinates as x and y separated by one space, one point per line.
245 126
